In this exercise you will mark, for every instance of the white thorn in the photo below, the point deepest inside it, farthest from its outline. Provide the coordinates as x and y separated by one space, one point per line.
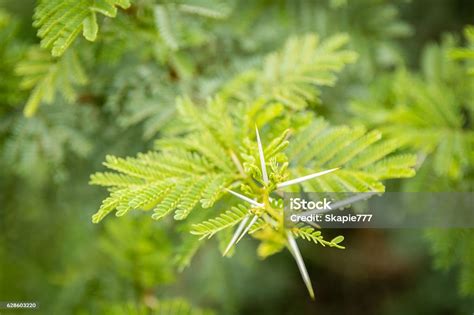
254 219
305 178
299 261
262 157
236 235
269 219
245 198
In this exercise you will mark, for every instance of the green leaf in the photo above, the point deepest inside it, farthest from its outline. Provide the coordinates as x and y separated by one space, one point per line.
208 228
48 77
59 22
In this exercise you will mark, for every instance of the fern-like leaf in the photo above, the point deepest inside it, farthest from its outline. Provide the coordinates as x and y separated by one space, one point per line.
47 77
292 75
217 151
227 219
364 158
428 114
466 53
59 22
310 234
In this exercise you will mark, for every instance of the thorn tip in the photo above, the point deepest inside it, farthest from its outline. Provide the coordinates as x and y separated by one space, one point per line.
236 235
305 178
294 250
